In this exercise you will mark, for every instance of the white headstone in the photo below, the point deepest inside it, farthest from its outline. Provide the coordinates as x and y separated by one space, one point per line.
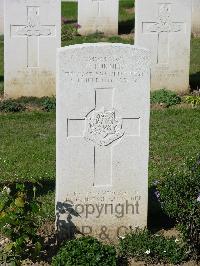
1 16
102 138
165 28
98 16
32 36
196 18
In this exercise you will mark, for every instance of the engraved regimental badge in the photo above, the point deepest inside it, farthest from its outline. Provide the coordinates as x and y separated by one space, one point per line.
103 127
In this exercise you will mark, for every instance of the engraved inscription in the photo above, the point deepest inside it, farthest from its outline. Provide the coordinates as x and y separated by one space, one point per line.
103 127
162 28
32 31
107 69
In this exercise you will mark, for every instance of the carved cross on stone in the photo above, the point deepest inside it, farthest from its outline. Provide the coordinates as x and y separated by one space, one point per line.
103 128
33 31
99 5
163 27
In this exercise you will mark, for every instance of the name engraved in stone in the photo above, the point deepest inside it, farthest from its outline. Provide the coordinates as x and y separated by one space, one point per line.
107 69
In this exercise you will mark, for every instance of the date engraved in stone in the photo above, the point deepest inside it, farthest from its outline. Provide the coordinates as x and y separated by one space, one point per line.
103 127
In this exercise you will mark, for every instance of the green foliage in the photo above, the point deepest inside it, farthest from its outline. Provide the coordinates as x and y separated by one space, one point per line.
194 100
49 104
144 246
165 97
11 106
27 147
180 199
85 251
17 222
34 101
69 32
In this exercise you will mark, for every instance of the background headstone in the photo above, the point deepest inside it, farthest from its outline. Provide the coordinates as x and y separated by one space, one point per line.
165 29
1 16
196 18
98 16
102 138
32 36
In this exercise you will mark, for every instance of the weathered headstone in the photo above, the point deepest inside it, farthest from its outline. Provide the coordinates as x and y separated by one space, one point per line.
165 28
32 36
1 16
98 16
196 18
102 138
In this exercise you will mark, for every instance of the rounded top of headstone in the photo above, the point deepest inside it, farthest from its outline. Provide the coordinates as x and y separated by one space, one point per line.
103 45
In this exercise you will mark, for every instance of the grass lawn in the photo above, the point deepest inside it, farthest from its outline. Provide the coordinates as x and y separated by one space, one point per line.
27 147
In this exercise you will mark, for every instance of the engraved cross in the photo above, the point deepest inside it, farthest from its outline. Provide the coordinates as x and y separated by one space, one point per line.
99 5
162 28
32 31
102 127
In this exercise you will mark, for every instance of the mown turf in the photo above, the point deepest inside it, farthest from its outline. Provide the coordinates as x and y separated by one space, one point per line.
174 135
27 147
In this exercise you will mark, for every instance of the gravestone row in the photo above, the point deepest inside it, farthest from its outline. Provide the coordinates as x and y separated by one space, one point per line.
90 27
30 66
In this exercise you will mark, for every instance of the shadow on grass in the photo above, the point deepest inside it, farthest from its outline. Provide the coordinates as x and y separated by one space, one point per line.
157 219
195 81
126 27
1 78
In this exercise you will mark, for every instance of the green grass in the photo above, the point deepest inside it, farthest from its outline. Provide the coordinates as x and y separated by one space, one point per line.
174 135
69 11
27 148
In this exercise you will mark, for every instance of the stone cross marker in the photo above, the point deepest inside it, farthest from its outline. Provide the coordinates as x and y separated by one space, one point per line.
31 39
98 16
196 18
102 138
164 28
